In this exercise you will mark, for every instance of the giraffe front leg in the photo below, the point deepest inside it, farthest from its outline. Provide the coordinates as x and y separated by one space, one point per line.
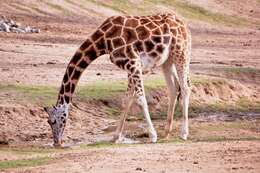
185 93
141 100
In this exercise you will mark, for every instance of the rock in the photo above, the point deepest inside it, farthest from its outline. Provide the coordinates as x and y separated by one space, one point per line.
35 30
27 29
7 25
138 169
17 30
50 62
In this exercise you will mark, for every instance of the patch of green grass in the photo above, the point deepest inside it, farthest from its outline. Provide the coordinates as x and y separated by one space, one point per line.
113 111
241 105
35 94
21 7
155 83
101 90
199 13
103 144
128 7
173 140
241 70
206 80
223 138
59 8
185 9
108 89
78 4
43 95
224 126
245 104
24 163
35 8
192 11
29 150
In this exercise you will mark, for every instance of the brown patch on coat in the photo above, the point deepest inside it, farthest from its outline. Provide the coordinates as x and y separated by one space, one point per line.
142 32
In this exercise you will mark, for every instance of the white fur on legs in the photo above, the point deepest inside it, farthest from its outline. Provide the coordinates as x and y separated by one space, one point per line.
185 94
118 134
185 105
185 130
170 76
141 100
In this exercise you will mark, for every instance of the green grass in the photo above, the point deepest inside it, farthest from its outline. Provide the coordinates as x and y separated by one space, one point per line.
185 9
192 11
107 90
103 144
223 138
33 94
59 8
101 90
36 9
241 105
48 95
241 70
206 80
29 150
24 163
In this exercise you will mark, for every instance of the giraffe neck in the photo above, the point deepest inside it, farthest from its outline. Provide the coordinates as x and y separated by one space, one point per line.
88 52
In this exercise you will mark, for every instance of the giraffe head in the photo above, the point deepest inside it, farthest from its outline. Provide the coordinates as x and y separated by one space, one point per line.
57 120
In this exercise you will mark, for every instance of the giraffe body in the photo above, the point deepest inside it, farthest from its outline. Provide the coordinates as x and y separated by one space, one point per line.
136 44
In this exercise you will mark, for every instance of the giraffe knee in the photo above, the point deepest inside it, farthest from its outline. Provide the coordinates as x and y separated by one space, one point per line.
141 100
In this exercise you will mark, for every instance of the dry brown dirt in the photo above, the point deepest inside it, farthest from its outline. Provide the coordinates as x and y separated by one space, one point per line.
41 59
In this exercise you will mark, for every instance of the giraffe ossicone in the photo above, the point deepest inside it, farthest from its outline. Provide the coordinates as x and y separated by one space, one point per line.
136 44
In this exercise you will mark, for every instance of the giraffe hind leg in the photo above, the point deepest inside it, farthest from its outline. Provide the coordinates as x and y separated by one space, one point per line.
169 72
128 102
182 72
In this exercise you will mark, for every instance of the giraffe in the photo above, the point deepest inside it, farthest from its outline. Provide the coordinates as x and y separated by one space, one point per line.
136 44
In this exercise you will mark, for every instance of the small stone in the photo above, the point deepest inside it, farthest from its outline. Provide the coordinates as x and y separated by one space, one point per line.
5 27
139 169
195 162
27 29
98 74
50 62
5 69
35 30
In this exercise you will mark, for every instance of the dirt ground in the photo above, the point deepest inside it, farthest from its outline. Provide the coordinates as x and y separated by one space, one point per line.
242 156
216 144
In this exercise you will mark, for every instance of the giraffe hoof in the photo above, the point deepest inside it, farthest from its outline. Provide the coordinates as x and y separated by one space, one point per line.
118 139
153 138
167 137
184 136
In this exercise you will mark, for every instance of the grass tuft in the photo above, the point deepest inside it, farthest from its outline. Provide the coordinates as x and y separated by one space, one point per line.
241 70
23 163
185 9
